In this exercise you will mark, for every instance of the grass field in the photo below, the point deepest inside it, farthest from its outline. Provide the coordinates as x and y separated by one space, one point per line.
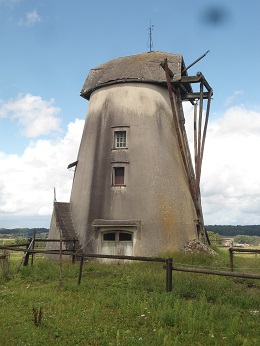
127 304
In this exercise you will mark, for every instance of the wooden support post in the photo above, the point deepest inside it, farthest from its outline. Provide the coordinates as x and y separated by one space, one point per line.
199 139
204 132
168 262
180 138
231 258
80 269
195 135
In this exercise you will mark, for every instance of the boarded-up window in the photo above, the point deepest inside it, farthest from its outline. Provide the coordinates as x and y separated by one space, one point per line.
118 175
120 139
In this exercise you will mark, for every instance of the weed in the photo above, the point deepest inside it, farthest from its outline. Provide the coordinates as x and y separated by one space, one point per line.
127 305
37 316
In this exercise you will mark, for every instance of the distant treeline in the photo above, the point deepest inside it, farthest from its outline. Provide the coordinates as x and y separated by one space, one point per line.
228 230
23 232
224 231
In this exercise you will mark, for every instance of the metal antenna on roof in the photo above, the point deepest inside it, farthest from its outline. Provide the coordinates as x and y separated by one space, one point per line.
150 36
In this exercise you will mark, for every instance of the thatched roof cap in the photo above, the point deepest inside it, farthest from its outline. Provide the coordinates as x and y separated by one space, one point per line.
143 68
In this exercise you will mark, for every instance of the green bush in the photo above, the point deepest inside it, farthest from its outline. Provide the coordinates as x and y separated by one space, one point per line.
246 239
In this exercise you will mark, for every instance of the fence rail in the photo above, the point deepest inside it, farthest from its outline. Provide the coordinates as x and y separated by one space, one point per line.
167 261
217 272
232 250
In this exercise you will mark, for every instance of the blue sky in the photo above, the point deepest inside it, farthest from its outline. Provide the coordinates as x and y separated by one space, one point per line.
47 50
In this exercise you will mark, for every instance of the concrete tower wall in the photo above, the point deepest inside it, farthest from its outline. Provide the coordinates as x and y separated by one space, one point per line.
155 191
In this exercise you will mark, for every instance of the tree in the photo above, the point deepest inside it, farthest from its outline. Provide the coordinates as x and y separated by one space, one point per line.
215 238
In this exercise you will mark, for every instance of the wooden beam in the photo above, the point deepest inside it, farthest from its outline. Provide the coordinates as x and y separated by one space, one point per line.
204 132
192 188
196 79
195 136
195 96
205 83
190 79
199 140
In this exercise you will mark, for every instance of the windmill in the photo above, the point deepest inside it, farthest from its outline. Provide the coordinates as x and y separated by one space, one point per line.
135 190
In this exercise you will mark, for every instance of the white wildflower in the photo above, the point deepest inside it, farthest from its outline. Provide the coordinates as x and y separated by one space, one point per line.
254 312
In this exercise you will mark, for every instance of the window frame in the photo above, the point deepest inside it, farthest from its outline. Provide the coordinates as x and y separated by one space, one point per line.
115 131
120 142
114 169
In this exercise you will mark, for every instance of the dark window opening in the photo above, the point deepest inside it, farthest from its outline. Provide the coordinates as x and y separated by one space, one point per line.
119 176
117 236
109 236
123 236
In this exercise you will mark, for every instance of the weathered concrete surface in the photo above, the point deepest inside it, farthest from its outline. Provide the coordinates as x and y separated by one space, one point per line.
156 188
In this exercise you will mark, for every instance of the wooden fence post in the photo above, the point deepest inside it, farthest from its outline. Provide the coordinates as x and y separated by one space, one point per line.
27 254
168 274
80 269
74 250
60 278
231 259
33 244
5 262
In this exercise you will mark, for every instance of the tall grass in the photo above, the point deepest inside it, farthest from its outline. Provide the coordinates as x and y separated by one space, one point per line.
127 305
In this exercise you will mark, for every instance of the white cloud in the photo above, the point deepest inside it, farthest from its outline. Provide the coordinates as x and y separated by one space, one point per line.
27 181
36 116
230 184
231 98
239 121
30 19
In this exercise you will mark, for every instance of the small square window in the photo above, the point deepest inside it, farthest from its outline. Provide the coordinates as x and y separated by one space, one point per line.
120 139
118 175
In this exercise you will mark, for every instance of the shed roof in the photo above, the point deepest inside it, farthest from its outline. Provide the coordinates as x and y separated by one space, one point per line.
143 67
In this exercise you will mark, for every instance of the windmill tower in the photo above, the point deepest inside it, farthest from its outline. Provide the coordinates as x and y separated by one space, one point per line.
135 190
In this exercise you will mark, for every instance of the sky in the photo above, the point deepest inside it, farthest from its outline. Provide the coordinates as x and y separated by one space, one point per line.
47 50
